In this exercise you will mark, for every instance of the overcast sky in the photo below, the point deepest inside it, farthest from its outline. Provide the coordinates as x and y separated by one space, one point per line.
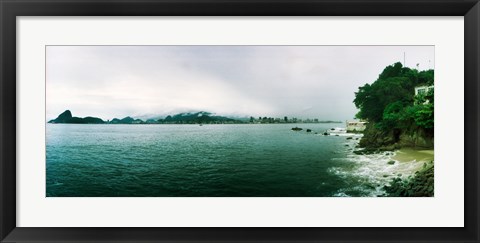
274 81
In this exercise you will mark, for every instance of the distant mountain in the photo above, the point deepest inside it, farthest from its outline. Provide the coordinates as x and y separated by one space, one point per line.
147 117
66 117
196 117
126 120
62 118
201 117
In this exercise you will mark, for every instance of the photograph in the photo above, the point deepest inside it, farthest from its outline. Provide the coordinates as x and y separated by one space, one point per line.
239 120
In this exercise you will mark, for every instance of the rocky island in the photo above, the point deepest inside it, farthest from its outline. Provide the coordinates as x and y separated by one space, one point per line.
66 117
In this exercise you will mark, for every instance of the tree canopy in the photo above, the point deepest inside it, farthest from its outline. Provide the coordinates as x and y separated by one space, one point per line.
390 101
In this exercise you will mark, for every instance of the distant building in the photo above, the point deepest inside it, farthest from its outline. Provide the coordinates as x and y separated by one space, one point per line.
422 90
356 126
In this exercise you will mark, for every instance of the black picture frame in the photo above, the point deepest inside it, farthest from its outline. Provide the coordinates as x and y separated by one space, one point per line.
10 9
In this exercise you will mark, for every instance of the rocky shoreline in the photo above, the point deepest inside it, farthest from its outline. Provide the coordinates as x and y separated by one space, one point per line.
411 173
421 184
411 148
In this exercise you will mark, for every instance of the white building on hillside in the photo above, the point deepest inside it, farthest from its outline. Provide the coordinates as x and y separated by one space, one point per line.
356 126
422 90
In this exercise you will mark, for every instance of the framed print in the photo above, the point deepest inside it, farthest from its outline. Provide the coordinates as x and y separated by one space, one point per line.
239 121
199 91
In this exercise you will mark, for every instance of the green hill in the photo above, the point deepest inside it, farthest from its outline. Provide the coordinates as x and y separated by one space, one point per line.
66 117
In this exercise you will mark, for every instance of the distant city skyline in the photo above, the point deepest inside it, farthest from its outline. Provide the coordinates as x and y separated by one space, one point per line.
316 82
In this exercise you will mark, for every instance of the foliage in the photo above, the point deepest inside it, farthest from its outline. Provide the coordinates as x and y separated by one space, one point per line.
394 115
390 101
423 110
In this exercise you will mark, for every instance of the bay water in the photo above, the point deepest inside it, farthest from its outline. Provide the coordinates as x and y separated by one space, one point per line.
237 160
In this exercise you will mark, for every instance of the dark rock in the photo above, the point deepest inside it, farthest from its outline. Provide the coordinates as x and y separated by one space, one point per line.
366 151
349 138
297 129
420 185
412 136
66 117
309 130
391 162
62 118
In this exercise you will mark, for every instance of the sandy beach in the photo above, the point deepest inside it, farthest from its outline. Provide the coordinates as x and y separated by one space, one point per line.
408 160
380 168
409 155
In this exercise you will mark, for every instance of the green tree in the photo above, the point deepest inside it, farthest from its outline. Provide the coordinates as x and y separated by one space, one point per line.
423 110
390 101
394 115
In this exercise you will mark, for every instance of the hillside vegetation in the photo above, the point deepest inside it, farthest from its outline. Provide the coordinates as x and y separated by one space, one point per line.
397 117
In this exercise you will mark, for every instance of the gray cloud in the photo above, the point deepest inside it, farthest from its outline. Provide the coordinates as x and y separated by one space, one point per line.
301 81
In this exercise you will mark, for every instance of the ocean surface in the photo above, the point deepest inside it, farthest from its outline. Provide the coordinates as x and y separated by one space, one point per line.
241 160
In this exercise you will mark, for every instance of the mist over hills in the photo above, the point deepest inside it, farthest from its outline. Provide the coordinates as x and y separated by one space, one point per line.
200 117
196 117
